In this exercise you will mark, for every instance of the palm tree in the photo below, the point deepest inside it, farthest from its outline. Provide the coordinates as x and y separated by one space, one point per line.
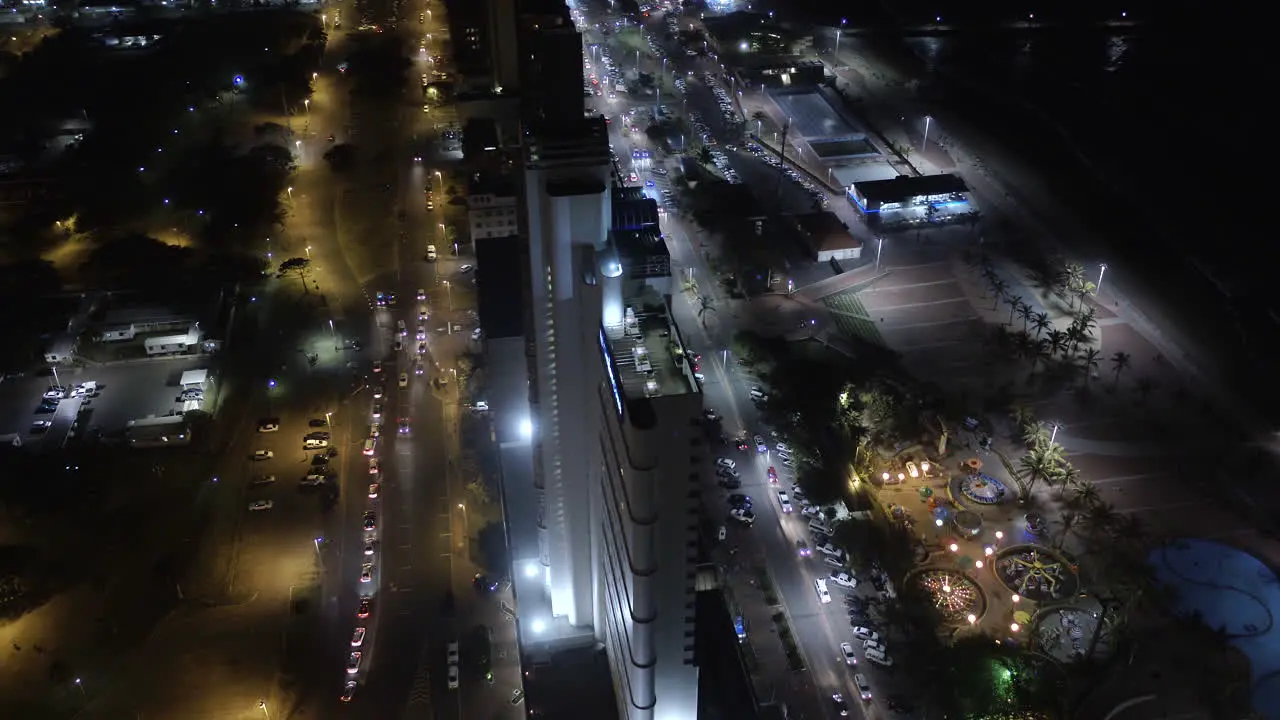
1025 312
1086 494
998 287
1069 521
1068 475
1037 465
1041 322
1131 532
1086 322
706 304
704 156
1084 288
1100 516
1059 341
1038 350
1022 416
1015 302
1072 277
1075 336
1034 435
1089 363
759 116
1120 361
1144 387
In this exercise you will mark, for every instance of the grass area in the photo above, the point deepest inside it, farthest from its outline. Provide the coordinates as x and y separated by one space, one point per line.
852 317
112 531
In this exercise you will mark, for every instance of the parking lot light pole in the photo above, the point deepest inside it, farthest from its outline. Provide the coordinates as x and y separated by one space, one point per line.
334 334
56 381
328 420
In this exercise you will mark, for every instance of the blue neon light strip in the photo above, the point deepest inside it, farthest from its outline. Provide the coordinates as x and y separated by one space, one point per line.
608 366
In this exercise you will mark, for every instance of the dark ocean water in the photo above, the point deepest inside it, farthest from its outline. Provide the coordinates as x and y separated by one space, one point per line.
1155 130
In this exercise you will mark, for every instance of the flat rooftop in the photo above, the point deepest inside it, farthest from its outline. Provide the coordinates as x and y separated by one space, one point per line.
812 115
906 187
648 353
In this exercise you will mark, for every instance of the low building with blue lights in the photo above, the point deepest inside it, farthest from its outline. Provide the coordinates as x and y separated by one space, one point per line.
909 198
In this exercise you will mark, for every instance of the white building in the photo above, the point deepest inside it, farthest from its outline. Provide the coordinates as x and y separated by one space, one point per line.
598 419
173 344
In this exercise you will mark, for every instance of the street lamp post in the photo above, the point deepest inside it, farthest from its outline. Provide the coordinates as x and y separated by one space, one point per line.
308 252
448 289
924 144
465 531
80 687
262 705
1054 435
1102 270
56 381
333 332
879 249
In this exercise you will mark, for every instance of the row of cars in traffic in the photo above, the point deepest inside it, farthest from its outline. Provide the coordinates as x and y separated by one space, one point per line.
836 577
369 530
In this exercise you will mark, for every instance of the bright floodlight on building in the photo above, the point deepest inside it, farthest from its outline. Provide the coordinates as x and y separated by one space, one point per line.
539 626
531 570
526 428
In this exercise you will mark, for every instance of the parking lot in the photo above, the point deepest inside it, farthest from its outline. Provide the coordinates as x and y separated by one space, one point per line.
126 391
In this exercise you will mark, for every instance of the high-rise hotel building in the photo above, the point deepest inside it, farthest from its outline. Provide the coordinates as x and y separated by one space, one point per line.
598 416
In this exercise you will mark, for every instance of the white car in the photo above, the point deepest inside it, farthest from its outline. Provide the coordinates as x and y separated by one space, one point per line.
263 454
431 253
378 392
758 393
261 505
810 511
353 663
850 658
829 549
864 633
368 549
453 677
422 294
373 466
422 332
864 688
404 379
785 456
357 637
760 444
466 269
366 573
743 515
726 463
879 657
55 392
451 652
377 411
844 579
377 366
419 368
784 501
267 426
874 646
422 314
824 595
374 488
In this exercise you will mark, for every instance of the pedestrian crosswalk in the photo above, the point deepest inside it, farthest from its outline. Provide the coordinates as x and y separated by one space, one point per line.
419 705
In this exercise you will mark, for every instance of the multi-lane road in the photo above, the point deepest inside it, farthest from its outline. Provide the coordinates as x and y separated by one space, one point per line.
274 630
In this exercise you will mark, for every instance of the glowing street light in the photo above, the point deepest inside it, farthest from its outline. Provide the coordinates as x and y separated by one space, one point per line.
972 618
1014 627
1016 598
1102 270
953 547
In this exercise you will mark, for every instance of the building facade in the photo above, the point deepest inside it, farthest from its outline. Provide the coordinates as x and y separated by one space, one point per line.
613 425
